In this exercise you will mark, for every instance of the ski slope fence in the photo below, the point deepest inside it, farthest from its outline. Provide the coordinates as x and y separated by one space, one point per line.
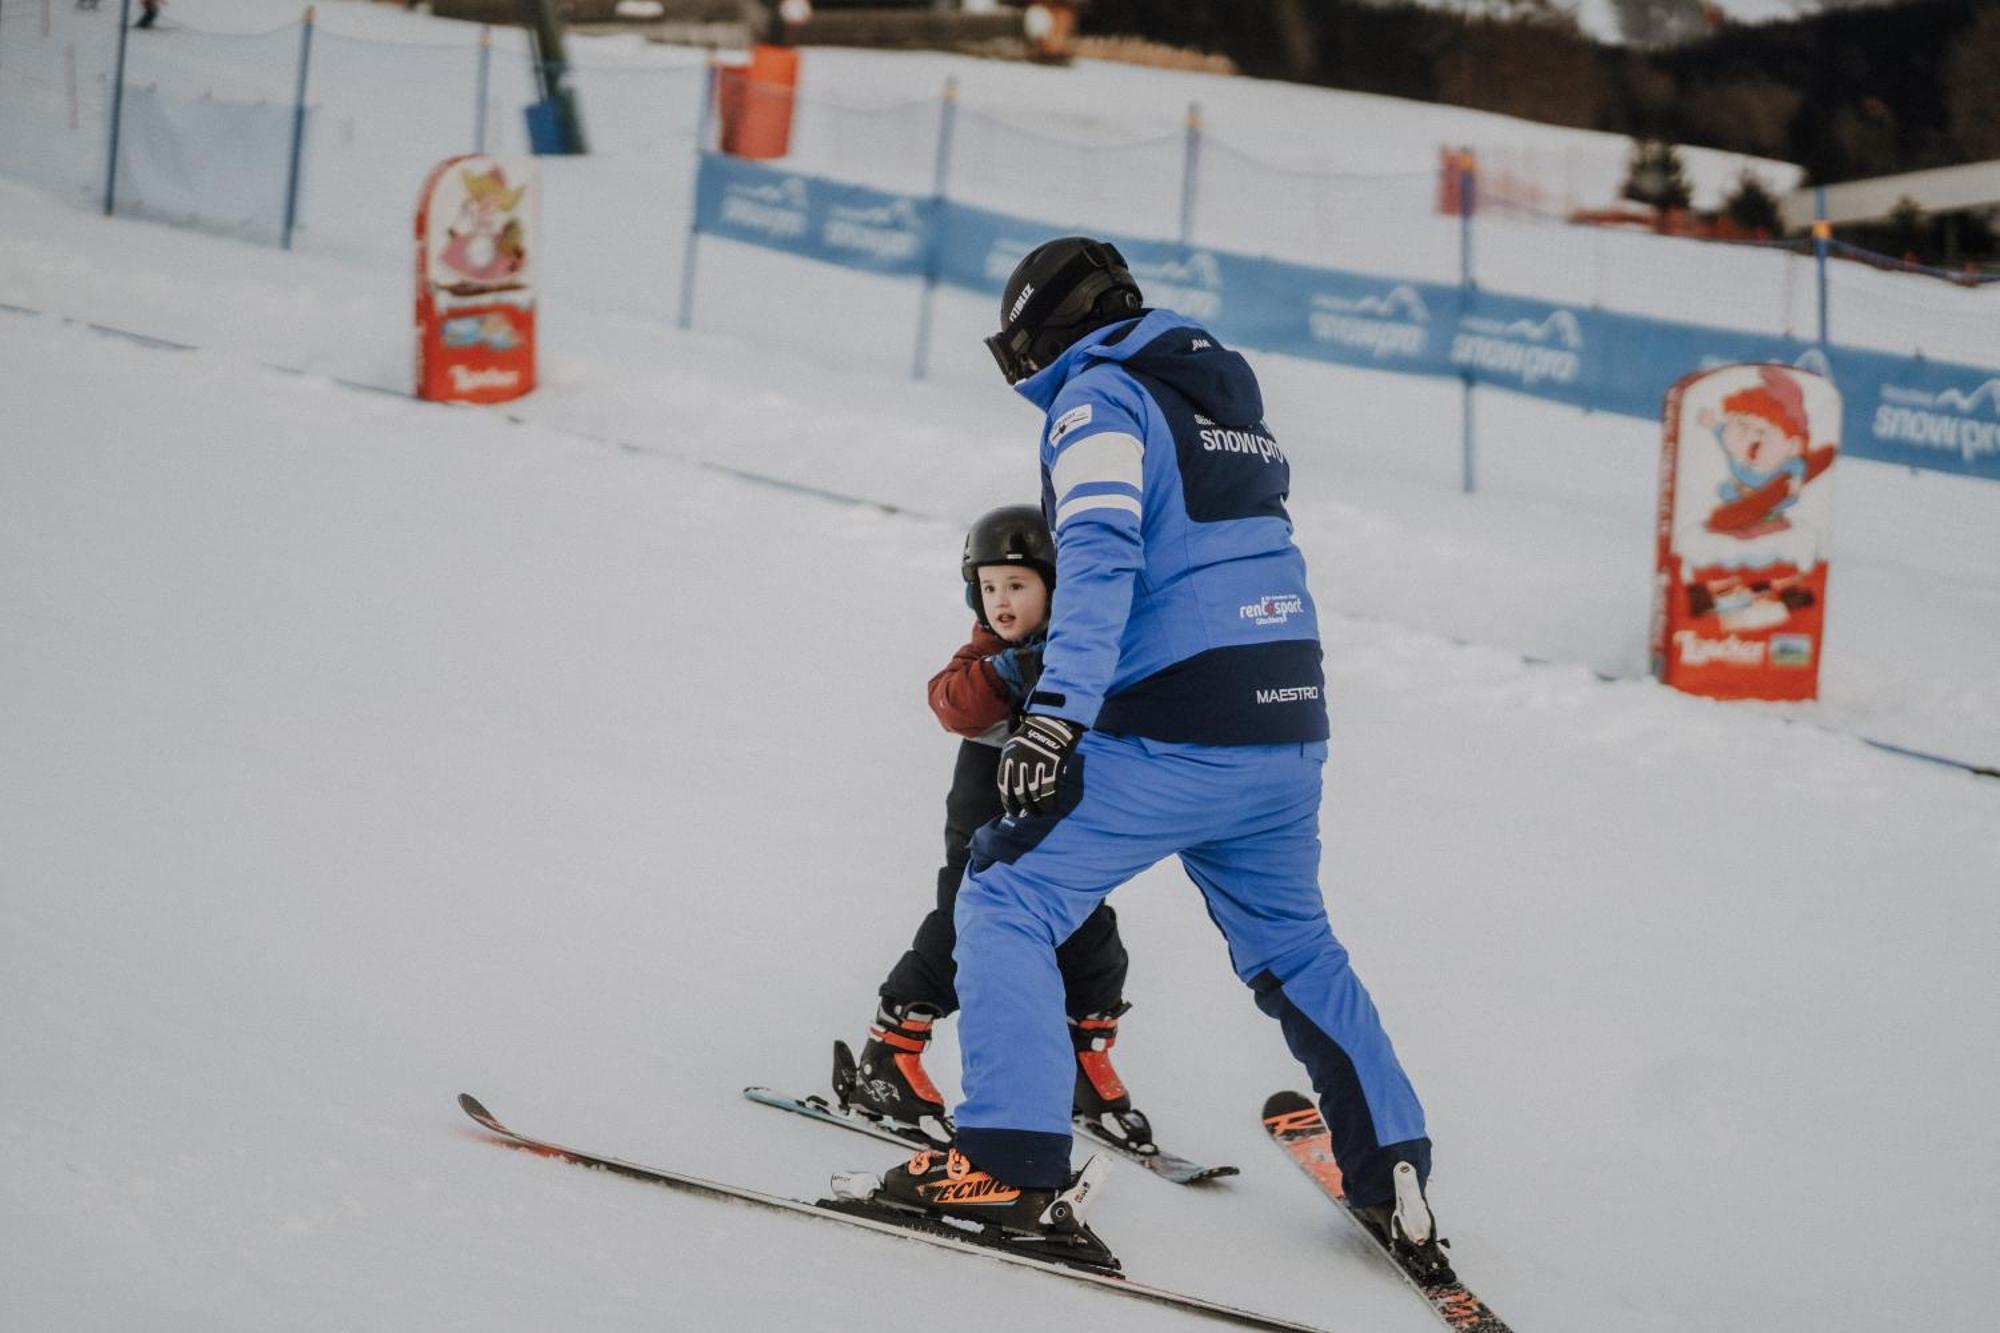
317 140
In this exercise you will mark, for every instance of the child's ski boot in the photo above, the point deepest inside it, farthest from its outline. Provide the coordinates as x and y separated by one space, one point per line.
889 1082
1101 1101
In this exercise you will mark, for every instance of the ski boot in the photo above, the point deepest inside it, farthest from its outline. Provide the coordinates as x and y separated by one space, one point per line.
1405 1228
1101 1102
947 1189
889 1081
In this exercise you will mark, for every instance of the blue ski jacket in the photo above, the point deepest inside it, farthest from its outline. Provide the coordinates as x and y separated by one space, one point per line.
1181 612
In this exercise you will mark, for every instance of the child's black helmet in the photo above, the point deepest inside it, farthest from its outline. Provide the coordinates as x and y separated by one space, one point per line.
1061 290
1010 535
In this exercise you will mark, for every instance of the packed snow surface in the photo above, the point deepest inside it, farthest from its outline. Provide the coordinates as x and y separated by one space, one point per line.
358 752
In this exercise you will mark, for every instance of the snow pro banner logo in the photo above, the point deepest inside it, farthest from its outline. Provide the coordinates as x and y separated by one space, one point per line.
1393 326
892 233
831 221
779 210
1525 351
1191 284
1947 420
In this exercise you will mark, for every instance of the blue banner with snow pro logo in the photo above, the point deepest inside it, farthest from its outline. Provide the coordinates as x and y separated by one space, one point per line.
1899 409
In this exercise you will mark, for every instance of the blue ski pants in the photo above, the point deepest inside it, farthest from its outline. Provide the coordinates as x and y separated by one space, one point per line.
1244 821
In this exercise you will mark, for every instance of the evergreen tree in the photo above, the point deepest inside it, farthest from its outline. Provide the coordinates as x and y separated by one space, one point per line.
1657 176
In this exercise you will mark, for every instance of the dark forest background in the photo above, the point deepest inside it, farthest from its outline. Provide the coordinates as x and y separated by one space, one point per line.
1846 93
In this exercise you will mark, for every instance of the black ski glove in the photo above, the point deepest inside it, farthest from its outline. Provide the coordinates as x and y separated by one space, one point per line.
1032 761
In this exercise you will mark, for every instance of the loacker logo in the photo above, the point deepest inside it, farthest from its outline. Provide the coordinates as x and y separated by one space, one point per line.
464 379
1697 651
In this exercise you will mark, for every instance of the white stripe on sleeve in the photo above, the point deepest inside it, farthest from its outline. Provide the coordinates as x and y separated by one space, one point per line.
1112 456
1128 503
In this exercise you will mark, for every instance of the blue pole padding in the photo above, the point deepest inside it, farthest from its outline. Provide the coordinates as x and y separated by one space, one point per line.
703 127
940 177
1190 171
117 107
1468 420
480 85
298 128
1822 232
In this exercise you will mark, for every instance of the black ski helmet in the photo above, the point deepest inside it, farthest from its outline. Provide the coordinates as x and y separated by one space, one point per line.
1061 290
1011 535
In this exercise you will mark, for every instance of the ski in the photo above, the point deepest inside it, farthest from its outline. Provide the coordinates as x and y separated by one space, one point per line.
1166 1165
1294 1124
888 1220
824 1111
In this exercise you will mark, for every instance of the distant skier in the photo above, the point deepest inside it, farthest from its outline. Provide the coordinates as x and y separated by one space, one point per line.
150 12
1180 711
1009 568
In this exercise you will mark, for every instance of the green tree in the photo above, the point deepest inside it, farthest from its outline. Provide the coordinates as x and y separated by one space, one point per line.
1753 207
1657 176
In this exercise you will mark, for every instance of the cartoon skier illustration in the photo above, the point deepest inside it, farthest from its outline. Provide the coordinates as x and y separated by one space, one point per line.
1765 437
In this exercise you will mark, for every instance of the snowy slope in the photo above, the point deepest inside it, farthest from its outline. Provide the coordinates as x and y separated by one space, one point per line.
358 752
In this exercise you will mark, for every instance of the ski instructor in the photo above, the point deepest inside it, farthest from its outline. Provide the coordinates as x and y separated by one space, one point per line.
1180 711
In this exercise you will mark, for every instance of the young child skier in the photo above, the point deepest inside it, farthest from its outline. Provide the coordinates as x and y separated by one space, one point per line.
1009 568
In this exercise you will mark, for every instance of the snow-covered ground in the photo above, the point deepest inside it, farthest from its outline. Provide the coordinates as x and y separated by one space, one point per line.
358 752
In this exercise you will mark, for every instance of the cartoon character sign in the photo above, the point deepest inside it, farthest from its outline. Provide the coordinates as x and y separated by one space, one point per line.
1746 509
476 225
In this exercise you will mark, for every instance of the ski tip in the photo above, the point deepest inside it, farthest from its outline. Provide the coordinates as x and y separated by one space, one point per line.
472 1107
1285 1103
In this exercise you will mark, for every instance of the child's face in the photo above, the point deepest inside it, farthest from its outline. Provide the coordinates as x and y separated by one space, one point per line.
1758 444
1015 598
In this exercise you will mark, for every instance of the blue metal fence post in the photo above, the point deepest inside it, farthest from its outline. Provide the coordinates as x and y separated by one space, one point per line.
934 242
703 125
1468 181
480 85
1190 171
1822 231
298 128
117 107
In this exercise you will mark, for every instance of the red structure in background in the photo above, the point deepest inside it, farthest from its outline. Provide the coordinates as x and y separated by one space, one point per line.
1745 527
477 228
753 102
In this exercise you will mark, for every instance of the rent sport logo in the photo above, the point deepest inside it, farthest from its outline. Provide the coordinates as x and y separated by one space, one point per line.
1526 350
1273 610
1390 327
1949 420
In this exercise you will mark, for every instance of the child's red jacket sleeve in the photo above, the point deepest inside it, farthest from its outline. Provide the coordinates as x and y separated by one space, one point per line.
968 695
